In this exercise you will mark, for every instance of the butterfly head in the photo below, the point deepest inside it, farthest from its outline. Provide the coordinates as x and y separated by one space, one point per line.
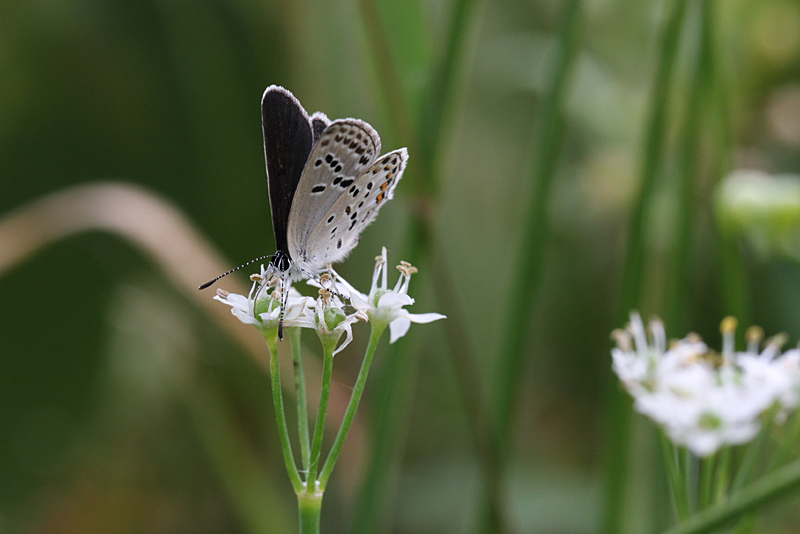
281 261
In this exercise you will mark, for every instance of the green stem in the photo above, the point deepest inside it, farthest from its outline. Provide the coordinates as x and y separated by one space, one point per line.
705 495
787 444
280 415
548 137
319 429
350 414
389 81
676 483
734 284
681 256
302 402
723 474
618 407
530 263
310 506
441 93
768 489
750 461
255 498
391 410
653 155
746 524
422 171
688 462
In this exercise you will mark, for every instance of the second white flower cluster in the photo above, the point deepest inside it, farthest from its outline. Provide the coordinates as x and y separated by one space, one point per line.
704 399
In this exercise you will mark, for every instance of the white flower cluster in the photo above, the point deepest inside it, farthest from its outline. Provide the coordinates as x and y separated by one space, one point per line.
326 314
704 399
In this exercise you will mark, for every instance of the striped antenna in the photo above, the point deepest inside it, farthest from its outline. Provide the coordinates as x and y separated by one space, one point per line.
208 284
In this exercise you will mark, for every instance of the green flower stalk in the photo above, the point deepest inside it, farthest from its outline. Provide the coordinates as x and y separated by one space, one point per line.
382 307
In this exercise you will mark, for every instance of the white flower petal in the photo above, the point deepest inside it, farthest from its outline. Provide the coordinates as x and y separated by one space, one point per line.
425 317
398 328
344 325
245 316
360 301
391 299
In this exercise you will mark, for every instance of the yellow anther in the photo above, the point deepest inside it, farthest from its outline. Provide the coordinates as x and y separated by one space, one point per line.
754 334
728 325
406 268
326 296
778 340
694 337
622 338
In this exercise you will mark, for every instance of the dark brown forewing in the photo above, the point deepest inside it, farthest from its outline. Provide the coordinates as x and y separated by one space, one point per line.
288 139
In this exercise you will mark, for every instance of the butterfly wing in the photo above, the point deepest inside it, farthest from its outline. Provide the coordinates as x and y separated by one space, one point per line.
319 121
345 149
339 228
288 139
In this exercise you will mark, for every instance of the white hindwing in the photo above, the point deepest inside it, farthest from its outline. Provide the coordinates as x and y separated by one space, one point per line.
338 230
344 150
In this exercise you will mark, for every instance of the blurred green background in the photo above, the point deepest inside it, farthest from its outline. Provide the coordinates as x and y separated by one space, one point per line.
125 406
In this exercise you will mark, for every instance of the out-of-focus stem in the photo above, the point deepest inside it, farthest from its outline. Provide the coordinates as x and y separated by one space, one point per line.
617 404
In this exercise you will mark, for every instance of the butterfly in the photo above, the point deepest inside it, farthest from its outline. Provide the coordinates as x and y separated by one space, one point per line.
326 181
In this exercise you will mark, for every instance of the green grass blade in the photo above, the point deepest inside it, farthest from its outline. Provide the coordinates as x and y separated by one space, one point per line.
618 405
770 488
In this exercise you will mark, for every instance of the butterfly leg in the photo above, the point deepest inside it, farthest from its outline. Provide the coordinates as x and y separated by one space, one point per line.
284 302
333 289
